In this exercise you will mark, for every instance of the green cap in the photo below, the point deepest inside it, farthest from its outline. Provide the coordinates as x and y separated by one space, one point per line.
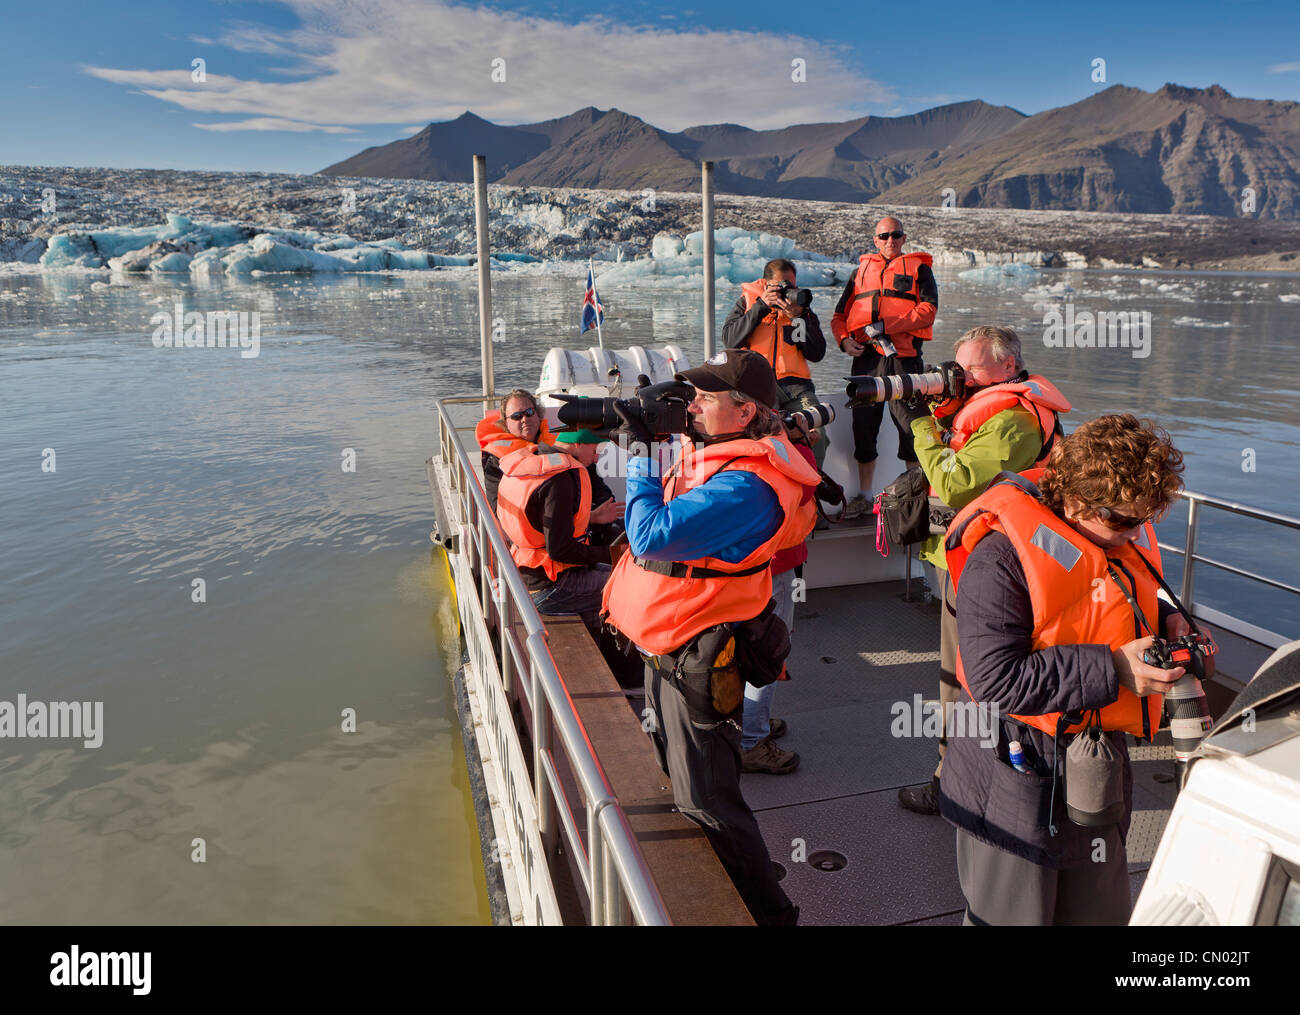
577 437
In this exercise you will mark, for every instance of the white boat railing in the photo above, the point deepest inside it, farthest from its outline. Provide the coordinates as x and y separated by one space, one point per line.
1191 558
490 592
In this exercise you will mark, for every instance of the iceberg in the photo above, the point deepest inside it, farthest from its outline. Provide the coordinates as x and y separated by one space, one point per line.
1012 270
209 249
738 257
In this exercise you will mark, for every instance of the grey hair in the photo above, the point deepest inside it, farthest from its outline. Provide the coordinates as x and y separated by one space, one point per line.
1003 342
766 421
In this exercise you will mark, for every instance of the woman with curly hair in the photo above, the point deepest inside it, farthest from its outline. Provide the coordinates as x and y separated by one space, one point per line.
1056 602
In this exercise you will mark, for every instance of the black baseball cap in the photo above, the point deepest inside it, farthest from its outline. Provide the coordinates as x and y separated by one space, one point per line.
740 370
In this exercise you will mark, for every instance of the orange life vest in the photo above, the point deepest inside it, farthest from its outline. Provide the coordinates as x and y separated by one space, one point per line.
495 439
787 360
885 291
1037 394
522 472
661 606
1061 567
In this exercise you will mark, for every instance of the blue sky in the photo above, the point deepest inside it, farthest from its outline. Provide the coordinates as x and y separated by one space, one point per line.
293 87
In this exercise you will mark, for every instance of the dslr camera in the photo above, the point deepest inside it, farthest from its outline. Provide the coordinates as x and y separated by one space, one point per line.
793 294
661 407
1189 713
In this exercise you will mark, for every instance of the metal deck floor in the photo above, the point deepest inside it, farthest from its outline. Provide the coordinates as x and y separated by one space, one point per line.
899 867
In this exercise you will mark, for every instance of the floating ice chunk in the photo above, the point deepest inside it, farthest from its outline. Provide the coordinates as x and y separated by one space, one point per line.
739 257
177 262
665 245
1013 270
1196 322
1290 297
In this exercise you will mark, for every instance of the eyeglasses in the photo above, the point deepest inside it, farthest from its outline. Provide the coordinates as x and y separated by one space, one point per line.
1114 520
523 414
897 234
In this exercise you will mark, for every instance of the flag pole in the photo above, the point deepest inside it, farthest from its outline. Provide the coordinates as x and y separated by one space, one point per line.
599 336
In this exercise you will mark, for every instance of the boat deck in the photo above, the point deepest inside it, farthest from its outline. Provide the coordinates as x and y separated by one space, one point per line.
858 650
850 853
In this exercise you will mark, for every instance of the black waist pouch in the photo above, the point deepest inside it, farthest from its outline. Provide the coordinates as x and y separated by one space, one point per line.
708 675
762 645
713 669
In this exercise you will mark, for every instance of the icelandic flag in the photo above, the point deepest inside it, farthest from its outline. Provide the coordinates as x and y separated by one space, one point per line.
593 313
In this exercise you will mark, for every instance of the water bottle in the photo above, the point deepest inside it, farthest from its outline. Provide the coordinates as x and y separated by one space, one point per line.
1017 756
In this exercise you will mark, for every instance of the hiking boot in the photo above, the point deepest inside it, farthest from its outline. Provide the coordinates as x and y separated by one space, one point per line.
921 799
777 728
766 758
857 506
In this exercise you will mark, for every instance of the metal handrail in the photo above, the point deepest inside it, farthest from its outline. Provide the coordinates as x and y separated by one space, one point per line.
613 868
1191 557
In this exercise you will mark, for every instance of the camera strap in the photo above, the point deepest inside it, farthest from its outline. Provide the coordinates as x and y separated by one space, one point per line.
1138 617
1173 598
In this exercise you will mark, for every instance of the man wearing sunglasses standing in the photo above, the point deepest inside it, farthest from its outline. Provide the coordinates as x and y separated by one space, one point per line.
885 313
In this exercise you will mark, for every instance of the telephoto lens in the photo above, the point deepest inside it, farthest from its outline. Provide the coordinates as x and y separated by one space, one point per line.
864 390
1185 704
1189 716
817 416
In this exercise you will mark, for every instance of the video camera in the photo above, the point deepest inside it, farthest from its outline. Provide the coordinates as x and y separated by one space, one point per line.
661 407
1189 713
947 380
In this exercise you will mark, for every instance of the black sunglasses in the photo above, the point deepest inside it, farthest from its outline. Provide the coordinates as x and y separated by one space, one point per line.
1118 522
897 234
523 414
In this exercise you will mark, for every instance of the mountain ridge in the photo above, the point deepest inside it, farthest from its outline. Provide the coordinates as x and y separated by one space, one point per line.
1179 150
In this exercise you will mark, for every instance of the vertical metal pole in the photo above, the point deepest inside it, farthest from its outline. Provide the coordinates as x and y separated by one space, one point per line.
613 890
547 815
1188 560
706 190
595 873
484 273
507 658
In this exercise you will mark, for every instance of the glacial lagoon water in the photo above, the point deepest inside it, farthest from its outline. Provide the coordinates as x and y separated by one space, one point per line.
224 719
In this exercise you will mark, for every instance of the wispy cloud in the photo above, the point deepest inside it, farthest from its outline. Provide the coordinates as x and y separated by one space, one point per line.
274 123
1284 68
364 62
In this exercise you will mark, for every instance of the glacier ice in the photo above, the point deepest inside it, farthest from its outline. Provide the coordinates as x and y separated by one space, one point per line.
738 257
1012 270
209 249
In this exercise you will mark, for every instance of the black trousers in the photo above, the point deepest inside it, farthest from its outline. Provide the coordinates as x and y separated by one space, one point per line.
703 761
867 418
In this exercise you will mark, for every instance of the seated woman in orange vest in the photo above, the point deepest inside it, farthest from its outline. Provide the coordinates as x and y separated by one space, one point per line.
1056 598
544 507
517 424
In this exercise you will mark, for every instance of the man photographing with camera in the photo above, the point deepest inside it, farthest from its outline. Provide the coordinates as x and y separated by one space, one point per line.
693 595
774 318
1004 420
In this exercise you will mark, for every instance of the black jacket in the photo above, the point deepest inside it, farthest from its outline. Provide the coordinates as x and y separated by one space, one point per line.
740 324
980 792
550 510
